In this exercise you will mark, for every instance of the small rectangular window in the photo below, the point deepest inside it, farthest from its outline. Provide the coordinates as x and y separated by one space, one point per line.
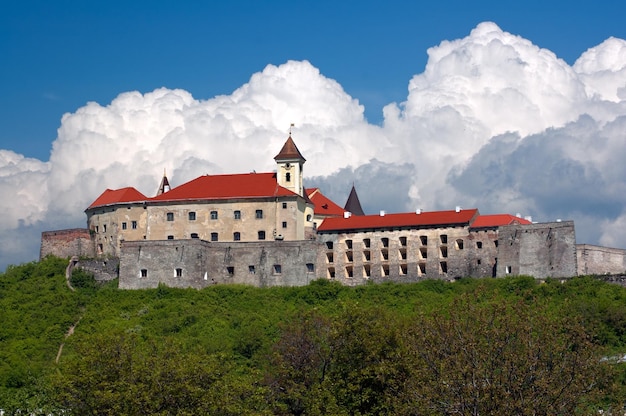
170 237
97 229
444 252
288 177
251 269
385 270
423 240
133 225
444 239
284 224
230 270
479 244
349 271
123 226
403 241
367 270
258 214
385 241
366 242
236 236
508 270
170 216
423 252
192 216
349 256
284 205
403 269
213 215
421 268
310 267
194 235
349 244
366 255
261 235
329 257
329 245
104 228
144 273
443 267
213 236
385 254
331 272
179 272
237 215
278 269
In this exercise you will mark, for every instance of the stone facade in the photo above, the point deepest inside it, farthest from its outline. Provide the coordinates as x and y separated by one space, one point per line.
197 263
600 260
540 250
67 243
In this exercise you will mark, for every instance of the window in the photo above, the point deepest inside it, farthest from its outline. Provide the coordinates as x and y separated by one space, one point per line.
403 253
444 252
423 240
349 256
459 244
386 270
479 244
236 236
192 216
284 224
288 177
366 242
194 235
443 267
100 248
385 241
170 237
278 269
329 245
179 273
230 270
495 242
349 244
284 205
104 228
403 268
385 254
213 215
308 217
170 216
237 215
310 267
478 262
444 239
329 257
349 271
367 270
258 214
123 226
144 273
423 252
213 236
331 272
507 270
97 229
251 269
421 268
403 241
261 235
366 255
133 225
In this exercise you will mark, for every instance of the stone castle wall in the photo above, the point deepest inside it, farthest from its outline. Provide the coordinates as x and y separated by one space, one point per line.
67 243
198 263
600 260
540 250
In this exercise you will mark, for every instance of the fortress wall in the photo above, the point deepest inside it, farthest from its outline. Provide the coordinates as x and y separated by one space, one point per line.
66 243
600 260
145 264
540 250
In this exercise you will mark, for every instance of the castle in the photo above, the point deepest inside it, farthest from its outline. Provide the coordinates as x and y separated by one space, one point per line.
266 229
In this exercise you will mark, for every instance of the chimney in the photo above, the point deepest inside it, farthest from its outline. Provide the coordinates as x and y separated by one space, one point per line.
382 213
458 208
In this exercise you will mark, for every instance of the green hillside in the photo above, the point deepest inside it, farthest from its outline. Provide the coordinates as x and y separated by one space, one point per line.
492 346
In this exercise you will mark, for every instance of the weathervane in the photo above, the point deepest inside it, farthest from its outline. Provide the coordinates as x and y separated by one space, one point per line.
292 125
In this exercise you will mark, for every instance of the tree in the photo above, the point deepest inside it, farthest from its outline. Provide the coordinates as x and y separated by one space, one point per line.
500 357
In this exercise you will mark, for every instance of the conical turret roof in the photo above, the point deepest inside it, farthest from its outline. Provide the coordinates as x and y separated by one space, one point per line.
353 204
289 152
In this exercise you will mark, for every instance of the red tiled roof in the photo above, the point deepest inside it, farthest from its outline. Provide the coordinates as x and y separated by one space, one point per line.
411 219
289 151
246 185
116 196
323 205
497 220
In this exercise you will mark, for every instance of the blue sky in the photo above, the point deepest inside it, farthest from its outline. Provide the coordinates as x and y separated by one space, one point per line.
509 107
59 55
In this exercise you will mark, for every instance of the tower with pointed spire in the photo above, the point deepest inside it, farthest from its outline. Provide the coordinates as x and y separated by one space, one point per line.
289 163
164 186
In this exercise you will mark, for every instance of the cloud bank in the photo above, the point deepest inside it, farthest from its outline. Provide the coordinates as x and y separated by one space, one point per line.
493 122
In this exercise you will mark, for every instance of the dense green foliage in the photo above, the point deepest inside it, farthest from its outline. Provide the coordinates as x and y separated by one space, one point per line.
477 345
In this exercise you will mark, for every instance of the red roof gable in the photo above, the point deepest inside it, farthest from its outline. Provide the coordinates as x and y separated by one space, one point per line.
497 220
323 205
117 196
247 185
411 219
